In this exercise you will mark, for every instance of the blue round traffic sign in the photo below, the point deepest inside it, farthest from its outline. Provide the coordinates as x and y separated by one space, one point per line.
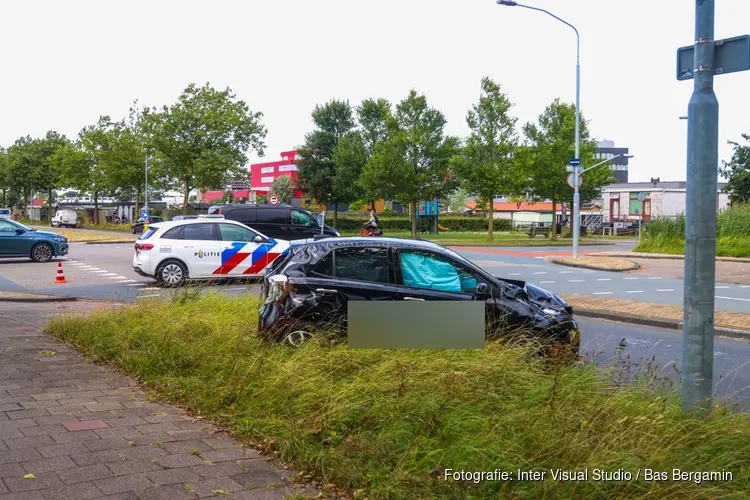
144 214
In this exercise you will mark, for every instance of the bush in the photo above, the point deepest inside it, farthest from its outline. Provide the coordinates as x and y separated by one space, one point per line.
388 422
453 223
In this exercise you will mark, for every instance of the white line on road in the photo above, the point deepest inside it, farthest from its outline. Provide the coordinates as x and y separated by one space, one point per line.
117 278
634 291
744 286
92 268
514 274
665 290
545 282
655 278
98 271
109 274
126 281
80 264
541 272
576 281
146 296
603 279
566 272
603 293
732 298
630 278
138 284
721 287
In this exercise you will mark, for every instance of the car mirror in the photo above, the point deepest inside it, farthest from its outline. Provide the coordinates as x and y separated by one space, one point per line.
258 239
20 231
482 289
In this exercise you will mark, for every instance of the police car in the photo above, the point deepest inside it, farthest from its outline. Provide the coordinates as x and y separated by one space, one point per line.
207 247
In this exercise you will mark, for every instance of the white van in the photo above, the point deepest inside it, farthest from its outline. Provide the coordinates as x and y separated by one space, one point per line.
64 218
5 213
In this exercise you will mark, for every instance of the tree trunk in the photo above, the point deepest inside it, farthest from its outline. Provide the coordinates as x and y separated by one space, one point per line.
413 217
4 200
187 197
49 205
138 200
96 208
335 214
553 229
490 233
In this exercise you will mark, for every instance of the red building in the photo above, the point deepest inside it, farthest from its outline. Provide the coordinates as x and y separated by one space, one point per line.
262 175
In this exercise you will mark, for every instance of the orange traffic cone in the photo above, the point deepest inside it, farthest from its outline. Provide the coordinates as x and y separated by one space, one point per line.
60 278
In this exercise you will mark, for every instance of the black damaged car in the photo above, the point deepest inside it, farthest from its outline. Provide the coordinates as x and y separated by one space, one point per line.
307 289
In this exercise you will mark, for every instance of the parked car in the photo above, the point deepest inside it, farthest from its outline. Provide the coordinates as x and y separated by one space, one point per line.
18 240
312 283
277 221
64 218
5 213
137 226
206 247
184 217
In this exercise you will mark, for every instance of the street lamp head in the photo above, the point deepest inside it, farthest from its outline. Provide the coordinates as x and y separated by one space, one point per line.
733 143
507 3
628 156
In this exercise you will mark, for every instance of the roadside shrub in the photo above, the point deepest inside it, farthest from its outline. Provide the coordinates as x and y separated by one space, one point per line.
453 223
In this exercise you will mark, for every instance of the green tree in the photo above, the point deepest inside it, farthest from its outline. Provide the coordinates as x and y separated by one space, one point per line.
282 187
486 165
551 146
456 200
49 176
4 176
228 196
737 172
202 140
317 165
28 165
412 164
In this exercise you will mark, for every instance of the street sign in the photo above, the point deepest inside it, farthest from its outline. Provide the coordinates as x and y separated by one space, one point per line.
641 197
569 168
730 55
273 199
571 180
144 214
575 162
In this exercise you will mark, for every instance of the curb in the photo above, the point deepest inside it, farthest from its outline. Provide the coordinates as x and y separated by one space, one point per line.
656 322
661 256
553 260
33 299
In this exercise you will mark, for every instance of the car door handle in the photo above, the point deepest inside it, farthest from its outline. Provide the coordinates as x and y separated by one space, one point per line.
413 298
325 290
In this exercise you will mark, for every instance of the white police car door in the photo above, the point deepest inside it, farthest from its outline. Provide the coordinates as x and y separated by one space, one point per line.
199 248
241 254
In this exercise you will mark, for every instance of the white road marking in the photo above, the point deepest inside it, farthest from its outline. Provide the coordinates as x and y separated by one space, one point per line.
126 281
566 272
603 293
665 290
117 278
655 278
92 268
744 286
604 279
80 264
545 282
721 287
152 288
109 274
732 298
541 272
514 274
138 284
576 281
630 278
99 271
634 291
147 296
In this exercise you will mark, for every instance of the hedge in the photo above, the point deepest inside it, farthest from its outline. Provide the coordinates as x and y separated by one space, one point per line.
468 224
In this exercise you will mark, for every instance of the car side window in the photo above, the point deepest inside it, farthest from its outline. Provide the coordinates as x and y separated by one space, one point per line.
173 234
272 216
7 227
432 272
300 218
198 232
231 232
359 264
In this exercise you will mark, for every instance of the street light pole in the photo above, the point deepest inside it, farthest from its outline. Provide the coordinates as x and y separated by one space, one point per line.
577 196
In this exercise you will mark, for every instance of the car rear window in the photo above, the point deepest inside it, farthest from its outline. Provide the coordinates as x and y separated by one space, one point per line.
148 233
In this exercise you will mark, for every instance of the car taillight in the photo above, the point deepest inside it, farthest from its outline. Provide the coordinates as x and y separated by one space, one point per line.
143 246
219 212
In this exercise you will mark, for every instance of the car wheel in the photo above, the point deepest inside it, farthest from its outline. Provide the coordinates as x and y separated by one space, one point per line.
171 273
133 230
296 339
42 252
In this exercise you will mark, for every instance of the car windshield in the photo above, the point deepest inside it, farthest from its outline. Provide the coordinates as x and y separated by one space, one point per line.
22 226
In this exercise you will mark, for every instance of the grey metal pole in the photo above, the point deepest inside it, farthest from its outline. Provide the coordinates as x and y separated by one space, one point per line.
146 181
577 196
700 225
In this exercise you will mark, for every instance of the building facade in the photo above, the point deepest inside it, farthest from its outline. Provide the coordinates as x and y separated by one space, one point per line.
605 150
661 199
262 175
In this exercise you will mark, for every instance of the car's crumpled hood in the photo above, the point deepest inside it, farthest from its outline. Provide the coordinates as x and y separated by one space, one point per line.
538 296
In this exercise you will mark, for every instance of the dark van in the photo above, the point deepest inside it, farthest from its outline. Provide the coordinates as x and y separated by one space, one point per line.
284 222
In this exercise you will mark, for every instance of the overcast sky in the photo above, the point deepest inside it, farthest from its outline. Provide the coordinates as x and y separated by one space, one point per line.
66 62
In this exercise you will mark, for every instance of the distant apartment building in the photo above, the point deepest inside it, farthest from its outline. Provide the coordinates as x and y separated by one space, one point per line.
605 150
262 175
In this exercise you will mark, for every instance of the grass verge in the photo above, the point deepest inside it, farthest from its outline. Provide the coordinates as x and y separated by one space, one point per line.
726 246
386 424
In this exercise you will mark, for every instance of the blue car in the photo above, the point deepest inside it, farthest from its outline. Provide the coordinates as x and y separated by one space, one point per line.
18 240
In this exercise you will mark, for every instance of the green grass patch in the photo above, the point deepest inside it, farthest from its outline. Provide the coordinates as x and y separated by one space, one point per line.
507 239
386 424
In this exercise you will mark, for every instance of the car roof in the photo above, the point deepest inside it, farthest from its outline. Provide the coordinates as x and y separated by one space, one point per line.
183 222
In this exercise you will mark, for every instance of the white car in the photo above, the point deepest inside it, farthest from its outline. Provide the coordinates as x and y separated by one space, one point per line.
207 247
63 218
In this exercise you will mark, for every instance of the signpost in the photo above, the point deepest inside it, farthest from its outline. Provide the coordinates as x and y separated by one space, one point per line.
700 63
322 221
572 179
273 199
144 214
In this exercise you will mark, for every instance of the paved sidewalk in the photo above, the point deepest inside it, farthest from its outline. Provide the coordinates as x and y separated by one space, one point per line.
73 430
